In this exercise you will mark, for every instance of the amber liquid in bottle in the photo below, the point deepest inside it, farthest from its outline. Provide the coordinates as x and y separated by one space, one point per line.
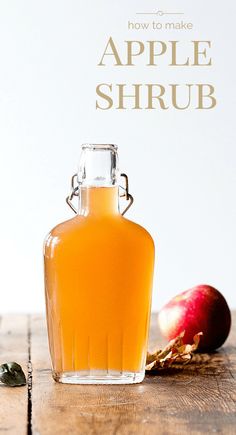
98 279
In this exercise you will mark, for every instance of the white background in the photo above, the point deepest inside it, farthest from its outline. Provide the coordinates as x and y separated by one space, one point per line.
181 164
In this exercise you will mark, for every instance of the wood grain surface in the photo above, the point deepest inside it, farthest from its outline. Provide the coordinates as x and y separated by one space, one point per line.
14 346
195 399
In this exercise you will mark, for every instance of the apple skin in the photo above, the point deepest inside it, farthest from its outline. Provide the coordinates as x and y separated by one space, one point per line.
200 309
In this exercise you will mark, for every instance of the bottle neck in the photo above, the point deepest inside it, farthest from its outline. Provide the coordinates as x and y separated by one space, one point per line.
98 180
99 201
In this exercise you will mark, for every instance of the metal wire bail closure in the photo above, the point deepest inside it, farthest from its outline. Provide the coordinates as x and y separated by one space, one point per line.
126 193
75 192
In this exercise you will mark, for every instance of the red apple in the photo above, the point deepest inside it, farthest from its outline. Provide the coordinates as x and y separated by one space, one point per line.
200 309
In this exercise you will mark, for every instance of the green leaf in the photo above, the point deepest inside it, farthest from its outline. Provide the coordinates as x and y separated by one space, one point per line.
11 374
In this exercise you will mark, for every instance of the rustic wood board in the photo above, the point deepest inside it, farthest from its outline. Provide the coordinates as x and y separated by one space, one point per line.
199 398
14 345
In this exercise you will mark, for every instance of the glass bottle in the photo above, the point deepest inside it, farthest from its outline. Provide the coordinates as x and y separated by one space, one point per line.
98 281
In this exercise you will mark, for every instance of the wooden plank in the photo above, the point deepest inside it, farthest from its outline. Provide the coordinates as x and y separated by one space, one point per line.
14 401
199 398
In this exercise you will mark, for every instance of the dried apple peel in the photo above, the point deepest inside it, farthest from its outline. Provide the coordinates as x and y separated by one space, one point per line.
174 352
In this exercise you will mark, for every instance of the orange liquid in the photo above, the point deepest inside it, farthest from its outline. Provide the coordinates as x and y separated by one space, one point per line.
98 278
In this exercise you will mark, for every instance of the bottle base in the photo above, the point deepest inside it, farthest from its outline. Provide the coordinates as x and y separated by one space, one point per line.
98 377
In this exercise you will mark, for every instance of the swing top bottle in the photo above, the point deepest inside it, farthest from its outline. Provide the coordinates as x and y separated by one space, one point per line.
98 280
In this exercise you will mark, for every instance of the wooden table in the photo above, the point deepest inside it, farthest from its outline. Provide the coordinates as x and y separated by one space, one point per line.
199 398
